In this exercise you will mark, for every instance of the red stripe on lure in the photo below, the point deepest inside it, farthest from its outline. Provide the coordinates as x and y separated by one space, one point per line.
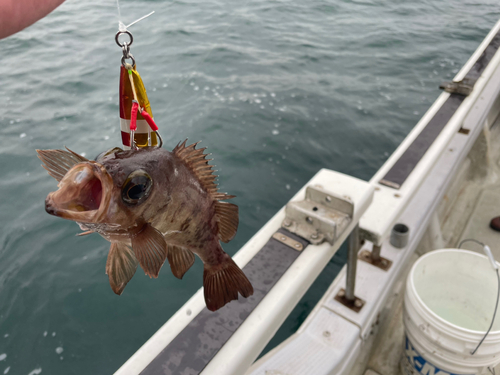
126 138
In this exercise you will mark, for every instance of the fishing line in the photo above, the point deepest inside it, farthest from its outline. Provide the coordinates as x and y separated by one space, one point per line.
140 19
487 250
119 13
121 25
122 28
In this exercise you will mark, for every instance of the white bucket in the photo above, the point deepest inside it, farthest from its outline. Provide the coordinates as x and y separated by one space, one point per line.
448 306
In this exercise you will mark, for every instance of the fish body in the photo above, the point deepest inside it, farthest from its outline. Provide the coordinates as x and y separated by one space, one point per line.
152 205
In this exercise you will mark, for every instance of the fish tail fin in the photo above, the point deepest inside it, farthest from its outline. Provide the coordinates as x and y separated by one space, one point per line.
222 283
180 260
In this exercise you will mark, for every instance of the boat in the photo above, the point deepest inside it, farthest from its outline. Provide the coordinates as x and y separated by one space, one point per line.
439 187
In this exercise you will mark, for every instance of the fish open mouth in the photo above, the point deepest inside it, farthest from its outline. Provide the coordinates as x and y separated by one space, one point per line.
80 193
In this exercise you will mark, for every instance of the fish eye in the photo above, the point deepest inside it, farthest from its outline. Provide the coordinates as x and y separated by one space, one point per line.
137 187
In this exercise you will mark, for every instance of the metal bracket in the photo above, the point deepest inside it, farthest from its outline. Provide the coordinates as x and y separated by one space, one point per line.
321 216
463 87
355 305
380 262
288 241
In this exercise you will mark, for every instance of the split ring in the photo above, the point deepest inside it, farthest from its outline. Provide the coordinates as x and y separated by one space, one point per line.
117 36
128 57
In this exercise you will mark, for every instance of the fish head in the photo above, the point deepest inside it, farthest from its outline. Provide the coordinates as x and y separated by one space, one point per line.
83 195
117 189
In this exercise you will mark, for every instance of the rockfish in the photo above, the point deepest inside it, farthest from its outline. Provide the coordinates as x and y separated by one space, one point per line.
152 205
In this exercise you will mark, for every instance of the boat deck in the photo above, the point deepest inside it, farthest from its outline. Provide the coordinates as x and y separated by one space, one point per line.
471 202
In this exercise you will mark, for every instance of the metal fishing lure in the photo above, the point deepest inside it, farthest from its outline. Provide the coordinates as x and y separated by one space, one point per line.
137 126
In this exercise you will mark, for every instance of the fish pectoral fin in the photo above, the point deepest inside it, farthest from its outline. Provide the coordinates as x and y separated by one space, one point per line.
227 220
120 266
221 283
180 260
150 249
84 233
59 162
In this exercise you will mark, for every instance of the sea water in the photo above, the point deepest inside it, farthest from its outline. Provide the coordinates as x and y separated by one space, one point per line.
275 89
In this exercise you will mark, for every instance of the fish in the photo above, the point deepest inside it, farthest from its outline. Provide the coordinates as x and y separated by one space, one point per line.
153 205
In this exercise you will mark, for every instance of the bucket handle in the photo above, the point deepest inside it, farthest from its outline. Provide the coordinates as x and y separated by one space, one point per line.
494 264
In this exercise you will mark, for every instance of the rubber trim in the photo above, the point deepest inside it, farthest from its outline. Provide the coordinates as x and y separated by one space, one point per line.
199 342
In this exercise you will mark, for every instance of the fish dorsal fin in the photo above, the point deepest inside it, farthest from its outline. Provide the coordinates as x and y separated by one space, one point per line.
59 162
226 213
197 162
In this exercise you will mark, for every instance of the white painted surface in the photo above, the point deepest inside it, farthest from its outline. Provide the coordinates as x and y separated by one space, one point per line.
324 347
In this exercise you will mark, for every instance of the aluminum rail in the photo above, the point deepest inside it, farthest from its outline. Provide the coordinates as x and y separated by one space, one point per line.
392 201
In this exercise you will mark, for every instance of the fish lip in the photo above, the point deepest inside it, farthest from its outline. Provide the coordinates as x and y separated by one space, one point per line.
99 172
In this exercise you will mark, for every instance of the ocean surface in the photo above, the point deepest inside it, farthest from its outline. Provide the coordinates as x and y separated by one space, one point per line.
276 89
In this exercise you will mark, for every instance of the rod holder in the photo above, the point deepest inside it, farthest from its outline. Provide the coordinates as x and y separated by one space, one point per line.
400 234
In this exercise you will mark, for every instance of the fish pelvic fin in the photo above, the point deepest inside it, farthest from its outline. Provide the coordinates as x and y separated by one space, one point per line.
150 250
120 266
223 282
59 162
180 260
227 220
